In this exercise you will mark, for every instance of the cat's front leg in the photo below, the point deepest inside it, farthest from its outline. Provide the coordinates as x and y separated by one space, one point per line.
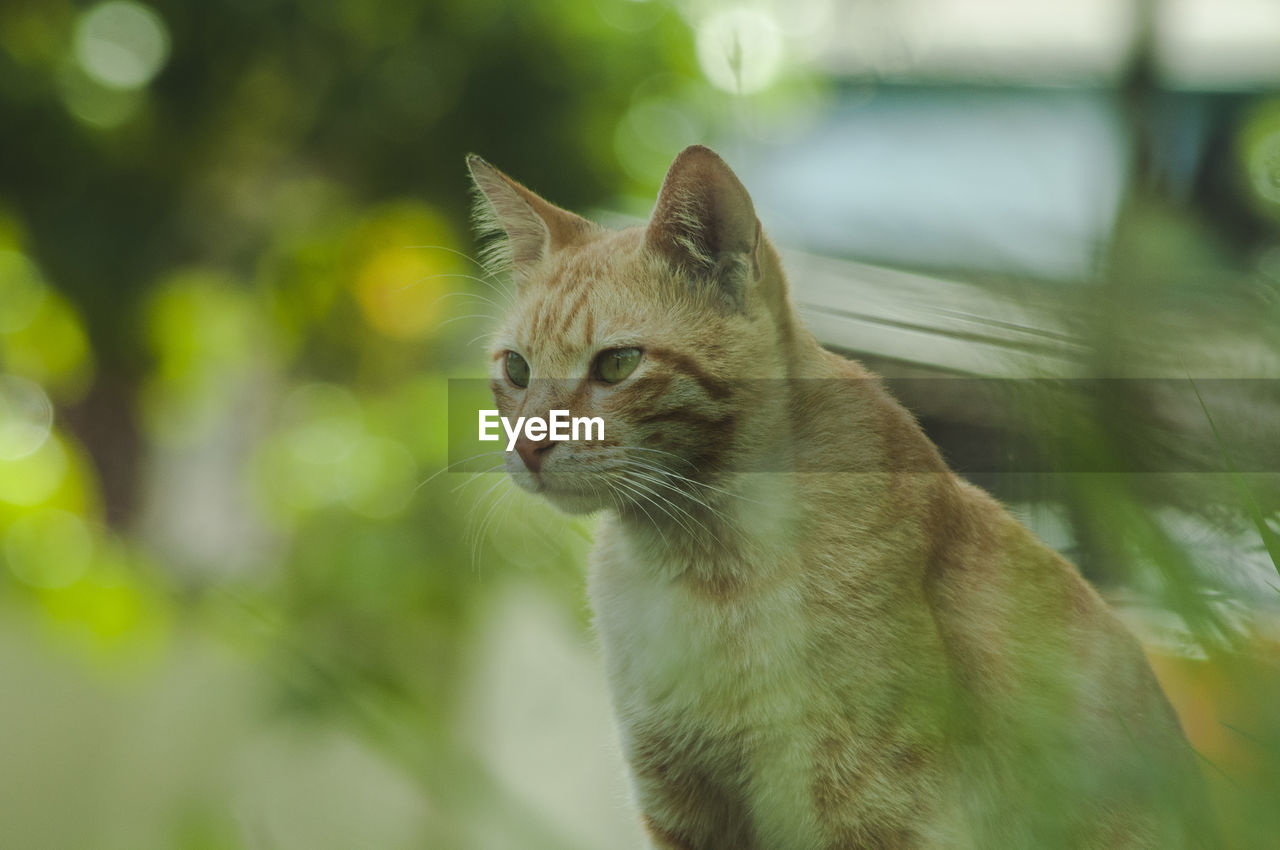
663 838
696 824
691 796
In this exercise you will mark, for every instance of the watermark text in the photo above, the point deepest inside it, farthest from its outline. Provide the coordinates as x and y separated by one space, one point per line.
559 425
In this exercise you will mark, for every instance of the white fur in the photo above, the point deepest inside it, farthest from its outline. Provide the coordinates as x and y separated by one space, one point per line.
705 669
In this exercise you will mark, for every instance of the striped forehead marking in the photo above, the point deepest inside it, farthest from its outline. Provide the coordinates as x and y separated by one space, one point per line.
557 313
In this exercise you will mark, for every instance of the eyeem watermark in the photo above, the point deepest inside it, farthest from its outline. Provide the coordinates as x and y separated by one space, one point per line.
985 426
558 426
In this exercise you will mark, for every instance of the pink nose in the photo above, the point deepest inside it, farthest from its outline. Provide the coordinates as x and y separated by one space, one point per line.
533 452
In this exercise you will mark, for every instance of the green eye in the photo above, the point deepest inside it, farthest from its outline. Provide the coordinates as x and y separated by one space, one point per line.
616 363
517 369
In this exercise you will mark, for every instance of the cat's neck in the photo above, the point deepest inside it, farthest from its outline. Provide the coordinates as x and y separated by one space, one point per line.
734 524
733 533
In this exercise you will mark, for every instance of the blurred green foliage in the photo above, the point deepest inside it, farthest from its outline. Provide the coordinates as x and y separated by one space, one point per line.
233 281
239 607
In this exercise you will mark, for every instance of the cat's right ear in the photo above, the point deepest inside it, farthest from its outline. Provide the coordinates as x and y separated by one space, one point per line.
526 227
704 224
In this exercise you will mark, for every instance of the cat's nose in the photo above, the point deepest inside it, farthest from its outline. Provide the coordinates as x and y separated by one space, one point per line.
533 452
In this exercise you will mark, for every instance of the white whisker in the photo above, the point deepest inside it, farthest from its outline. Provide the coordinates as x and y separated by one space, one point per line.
632 492
476 476
469 316
479 265
479 337
450 466
649 472
474 295
667 507
477 540
688 480
661 452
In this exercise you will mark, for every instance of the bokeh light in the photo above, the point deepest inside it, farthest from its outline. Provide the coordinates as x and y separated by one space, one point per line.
380 477
26 417
96 104
207 335
1265 166
1258 155
650 130
51 348
116 604
49 548
809 26
740 50
325 455
121 44
21 291
404 265
324 421
33 478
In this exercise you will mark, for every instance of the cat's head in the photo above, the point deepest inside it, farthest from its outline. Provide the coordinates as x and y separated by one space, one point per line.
657 330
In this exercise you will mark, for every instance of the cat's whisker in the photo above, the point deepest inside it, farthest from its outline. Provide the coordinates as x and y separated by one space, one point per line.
476 540
661 478
656 476
508 300
469 316
476 476
501 515
469 258
631 489
730 493
460 294
667 506
683 460
490 280
632 492
450 466
486 494
638 503
694 482
475 339
684 478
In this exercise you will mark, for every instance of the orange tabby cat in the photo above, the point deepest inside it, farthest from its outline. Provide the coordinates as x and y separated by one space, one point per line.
816 635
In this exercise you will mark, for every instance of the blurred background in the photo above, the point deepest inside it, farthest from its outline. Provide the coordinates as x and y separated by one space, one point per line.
243 602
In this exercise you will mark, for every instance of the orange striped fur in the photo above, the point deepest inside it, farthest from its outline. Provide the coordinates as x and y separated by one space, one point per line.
816 635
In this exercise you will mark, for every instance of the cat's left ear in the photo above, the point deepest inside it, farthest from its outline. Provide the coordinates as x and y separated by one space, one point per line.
705 224
534 228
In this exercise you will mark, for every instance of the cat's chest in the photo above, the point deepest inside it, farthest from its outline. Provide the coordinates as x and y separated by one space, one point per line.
711 682
716 650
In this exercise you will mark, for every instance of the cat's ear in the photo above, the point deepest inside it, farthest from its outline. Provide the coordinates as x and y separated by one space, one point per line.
533 228
704 223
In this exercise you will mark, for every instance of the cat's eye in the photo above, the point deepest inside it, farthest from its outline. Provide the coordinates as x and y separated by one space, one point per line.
616 363
517 369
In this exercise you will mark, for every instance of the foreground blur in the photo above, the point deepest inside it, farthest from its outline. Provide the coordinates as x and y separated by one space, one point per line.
241 605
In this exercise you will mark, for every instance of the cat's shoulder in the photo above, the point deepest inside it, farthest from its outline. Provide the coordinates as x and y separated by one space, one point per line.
829 364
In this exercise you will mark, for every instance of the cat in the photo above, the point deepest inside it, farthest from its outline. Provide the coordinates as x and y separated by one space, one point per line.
815 634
